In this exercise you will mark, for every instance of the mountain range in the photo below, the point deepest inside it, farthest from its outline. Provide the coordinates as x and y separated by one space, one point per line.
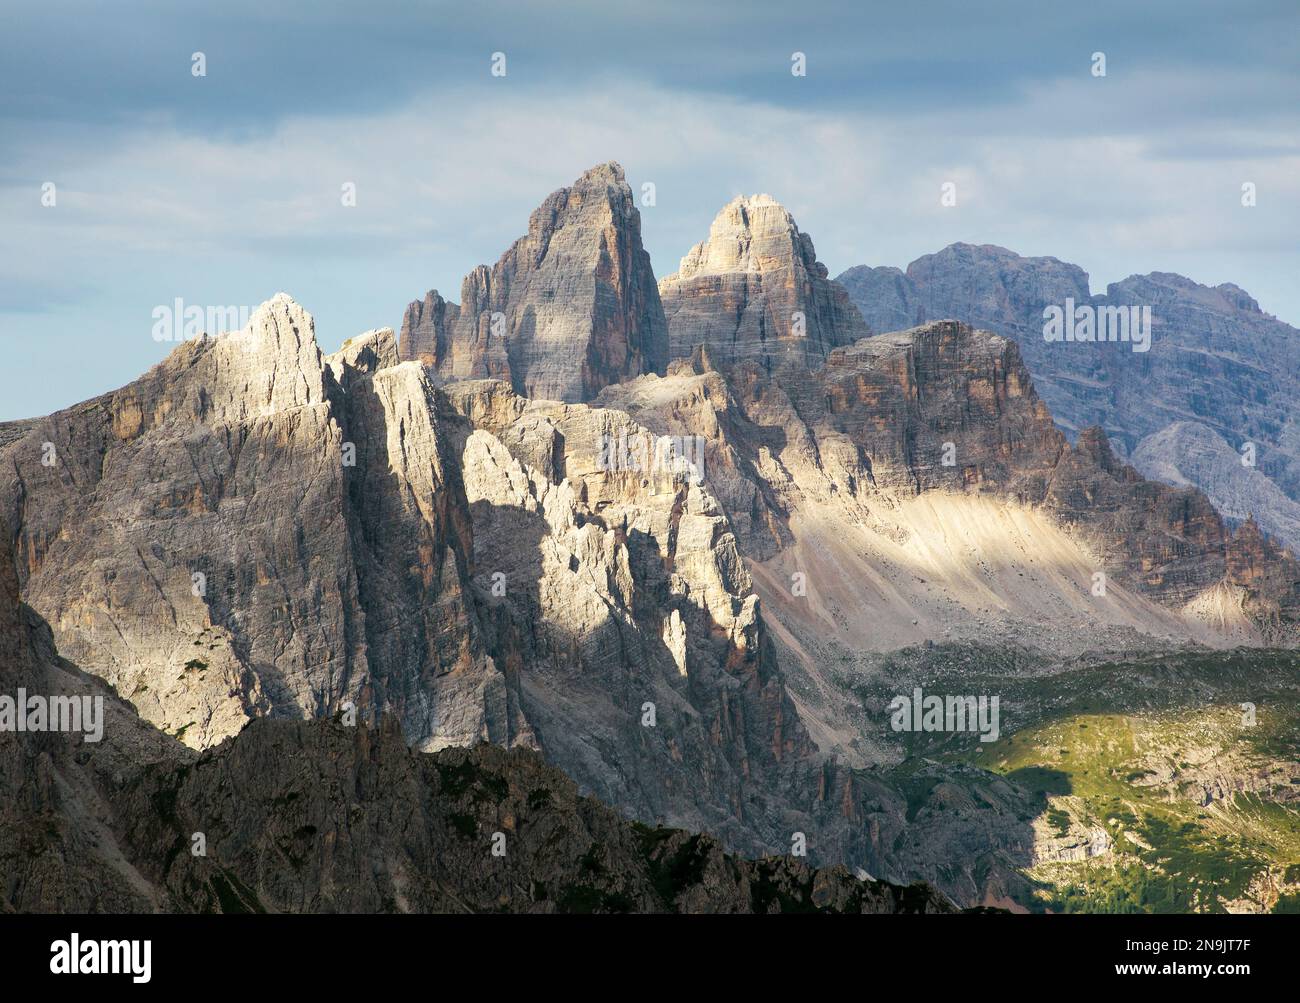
1215 403
445 534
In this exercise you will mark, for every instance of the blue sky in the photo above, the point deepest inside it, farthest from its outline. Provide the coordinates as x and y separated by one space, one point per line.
225 189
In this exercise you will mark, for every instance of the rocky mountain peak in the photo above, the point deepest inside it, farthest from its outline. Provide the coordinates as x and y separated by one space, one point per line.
571 307
755 291
598 197
1238 297
752 233
1094 443
272 364
426 328
281 322
367 353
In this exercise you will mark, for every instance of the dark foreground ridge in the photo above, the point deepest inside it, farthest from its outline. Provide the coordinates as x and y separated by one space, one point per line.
322 816
325 817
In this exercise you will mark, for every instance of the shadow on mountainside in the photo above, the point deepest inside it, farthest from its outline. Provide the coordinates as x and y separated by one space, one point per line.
314 816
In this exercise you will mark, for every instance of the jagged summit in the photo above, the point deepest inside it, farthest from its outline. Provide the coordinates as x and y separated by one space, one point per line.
368 353
755 291
569 308
610 172
752 233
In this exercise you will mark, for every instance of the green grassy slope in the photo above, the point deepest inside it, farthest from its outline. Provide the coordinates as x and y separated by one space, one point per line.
1152 788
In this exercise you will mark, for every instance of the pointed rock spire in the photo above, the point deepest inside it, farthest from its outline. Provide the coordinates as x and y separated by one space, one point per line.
755 291
427 328
571 307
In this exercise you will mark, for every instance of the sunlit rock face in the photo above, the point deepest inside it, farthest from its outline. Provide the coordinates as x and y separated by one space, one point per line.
755 291
255 529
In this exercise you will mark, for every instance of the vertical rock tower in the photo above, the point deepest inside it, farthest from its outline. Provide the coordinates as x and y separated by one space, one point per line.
755 291
570 308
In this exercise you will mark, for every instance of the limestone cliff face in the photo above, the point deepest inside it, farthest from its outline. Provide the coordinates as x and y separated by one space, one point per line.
62 800
948 410
1190 453
1216 359
971 390
319 816
575 302
939 407
755 291
254 529
159 531
427 330
615 593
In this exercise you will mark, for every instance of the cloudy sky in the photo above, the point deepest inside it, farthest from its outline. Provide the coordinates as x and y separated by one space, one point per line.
224 189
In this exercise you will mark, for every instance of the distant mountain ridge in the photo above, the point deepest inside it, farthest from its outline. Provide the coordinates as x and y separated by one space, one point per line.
1216 359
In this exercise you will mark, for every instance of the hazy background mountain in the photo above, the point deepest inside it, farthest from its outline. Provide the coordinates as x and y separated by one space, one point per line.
1221 379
